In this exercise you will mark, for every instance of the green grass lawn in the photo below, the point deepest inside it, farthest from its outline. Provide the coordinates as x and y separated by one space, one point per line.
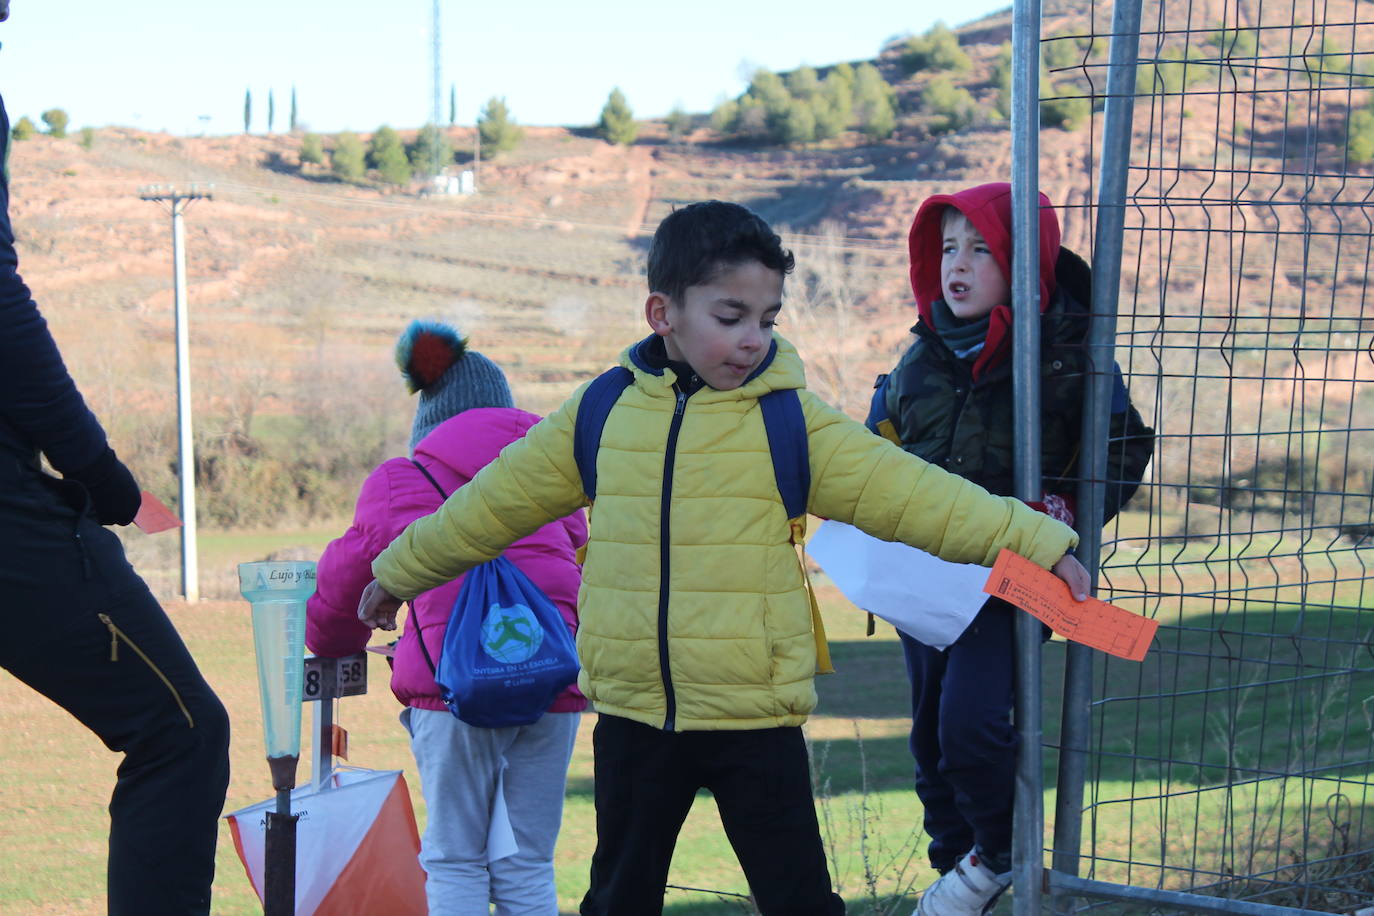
52 801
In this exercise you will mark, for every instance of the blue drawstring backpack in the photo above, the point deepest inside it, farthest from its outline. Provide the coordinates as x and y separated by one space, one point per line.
507 653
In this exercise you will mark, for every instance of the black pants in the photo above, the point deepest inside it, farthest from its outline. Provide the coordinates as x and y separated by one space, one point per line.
97 643
963 740
646 780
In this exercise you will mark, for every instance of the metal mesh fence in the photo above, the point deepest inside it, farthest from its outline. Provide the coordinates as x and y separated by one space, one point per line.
1236 761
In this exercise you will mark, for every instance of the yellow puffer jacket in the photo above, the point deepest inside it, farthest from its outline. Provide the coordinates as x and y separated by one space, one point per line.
697 617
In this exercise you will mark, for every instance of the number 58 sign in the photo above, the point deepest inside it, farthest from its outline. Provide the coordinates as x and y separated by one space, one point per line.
328 678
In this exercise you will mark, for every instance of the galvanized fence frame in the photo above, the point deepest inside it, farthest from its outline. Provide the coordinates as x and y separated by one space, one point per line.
1234 774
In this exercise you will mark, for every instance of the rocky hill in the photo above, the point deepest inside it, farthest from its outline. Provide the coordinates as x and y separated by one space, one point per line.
299 283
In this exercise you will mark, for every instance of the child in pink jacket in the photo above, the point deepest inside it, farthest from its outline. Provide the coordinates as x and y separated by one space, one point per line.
476 781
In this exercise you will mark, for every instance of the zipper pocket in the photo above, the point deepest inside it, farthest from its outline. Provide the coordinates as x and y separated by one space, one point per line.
116 634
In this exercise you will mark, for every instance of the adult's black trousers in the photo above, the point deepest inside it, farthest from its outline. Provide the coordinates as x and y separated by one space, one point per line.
94 640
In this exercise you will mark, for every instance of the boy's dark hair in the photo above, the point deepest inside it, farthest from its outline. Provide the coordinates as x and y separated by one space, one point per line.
692 244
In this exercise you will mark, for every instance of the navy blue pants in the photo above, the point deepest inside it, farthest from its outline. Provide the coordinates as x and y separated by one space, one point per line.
963 740
96 642
646 780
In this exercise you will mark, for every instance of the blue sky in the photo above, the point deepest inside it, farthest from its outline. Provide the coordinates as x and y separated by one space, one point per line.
183 66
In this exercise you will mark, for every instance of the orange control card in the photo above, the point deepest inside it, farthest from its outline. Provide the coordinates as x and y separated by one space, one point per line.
1093 623
154 516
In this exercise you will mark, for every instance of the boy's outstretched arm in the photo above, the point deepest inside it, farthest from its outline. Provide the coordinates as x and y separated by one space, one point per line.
863 479
532 482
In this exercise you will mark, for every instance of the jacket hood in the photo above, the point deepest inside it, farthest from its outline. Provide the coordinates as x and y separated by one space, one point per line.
988 208
781 368
471 440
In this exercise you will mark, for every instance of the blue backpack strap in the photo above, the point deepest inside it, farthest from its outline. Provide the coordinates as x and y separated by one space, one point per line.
786 426
592 412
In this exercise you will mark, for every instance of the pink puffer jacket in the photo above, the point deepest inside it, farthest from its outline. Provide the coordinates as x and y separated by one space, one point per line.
396 494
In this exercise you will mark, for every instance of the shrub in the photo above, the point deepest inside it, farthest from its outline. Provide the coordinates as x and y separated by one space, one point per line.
952 106
834 104
873 103
830 120
1231 42
432 152
312 149
724 116
23 129
617 124
87 137
1360 146
803 83
1059 52
1172 76
798 126
1001 78
496 128
387 155
1066 112
56 119
938 50
349 159
677 123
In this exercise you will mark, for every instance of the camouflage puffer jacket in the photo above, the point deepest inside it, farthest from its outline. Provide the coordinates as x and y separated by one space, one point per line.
965 426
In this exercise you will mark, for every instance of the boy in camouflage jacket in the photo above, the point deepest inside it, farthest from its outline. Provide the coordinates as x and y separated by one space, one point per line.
950 402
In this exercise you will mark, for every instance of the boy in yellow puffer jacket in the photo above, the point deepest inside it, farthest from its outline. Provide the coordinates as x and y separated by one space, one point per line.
696 636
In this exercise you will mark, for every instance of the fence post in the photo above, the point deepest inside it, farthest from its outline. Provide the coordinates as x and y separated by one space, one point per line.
1076 728
1028 830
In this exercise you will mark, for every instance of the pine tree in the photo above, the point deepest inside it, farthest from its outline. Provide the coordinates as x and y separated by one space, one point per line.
312 149
432 152
496 128
247 110
56 119
348 158
294 122
387 155
271 111
617 124
873 103
452 105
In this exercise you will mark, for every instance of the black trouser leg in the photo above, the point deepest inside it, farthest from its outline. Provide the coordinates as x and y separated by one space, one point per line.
644 789
762 784
174 733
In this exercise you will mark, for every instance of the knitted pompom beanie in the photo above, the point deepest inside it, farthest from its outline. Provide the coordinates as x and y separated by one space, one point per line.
449 377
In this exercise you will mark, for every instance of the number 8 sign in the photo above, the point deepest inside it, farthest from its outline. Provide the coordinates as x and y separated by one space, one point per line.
328 678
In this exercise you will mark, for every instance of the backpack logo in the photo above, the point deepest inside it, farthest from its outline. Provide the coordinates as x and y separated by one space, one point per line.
511 634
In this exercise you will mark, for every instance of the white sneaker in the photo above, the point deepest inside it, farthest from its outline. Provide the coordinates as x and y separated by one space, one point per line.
970 888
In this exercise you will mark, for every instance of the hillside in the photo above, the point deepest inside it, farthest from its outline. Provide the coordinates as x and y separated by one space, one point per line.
299 283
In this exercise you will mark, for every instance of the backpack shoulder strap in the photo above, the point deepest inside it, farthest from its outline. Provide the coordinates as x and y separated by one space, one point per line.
419 630
592 412
786 426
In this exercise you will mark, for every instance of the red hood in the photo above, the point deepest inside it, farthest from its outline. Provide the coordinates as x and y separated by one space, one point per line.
988 207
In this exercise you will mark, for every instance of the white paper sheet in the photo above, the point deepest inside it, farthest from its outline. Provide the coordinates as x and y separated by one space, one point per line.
925 597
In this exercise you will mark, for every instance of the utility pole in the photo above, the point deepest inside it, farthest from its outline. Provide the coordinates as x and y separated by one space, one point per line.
436 110
186 459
